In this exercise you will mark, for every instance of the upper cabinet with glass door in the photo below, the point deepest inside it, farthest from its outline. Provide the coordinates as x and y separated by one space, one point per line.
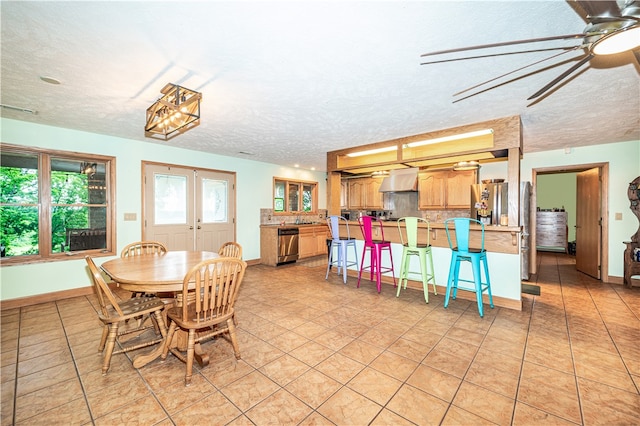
294 196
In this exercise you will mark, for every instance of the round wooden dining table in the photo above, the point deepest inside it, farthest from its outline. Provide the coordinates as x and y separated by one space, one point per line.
154 273
157 273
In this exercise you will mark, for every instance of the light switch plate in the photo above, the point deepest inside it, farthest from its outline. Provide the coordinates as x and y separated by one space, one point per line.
618 216
129 216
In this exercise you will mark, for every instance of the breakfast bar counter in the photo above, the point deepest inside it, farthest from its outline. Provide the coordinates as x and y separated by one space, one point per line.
503 245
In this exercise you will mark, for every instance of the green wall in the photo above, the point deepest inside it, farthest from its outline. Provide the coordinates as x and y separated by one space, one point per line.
254 182
556 191
624 166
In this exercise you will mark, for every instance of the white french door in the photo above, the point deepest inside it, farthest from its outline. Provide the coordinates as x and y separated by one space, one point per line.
188 209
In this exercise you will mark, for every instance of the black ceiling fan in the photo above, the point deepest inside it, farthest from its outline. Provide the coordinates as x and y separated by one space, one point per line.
613 27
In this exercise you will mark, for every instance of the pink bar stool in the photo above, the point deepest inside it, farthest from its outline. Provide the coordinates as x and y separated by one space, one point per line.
375 248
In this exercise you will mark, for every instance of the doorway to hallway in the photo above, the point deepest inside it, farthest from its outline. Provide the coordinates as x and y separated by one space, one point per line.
589 220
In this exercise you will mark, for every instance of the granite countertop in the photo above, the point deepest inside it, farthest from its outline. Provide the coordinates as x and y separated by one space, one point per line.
293 224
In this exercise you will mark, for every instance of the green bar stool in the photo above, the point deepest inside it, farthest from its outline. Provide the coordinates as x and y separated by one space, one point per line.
461 252
420 247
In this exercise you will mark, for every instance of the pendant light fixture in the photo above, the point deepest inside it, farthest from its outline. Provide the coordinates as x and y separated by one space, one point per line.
177 111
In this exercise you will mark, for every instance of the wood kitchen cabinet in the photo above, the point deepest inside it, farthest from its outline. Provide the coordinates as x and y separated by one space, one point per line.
445 189
364 193
313 241
269 245
344 195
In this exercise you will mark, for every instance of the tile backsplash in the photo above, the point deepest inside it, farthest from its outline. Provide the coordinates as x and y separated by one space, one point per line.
268 218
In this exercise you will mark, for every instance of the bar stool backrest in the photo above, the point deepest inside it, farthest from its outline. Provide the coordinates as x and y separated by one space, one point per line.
462 226
410 232
366 226
334 223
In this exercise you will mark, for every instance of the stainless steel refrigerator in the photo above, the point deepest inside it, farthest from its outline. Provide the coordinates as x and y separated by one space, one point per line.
488 202
525 218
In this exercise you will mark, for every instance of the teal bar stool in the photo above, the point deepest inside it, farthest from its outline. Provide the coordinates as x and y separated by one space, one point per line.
340 247
412 247
461 252
375 247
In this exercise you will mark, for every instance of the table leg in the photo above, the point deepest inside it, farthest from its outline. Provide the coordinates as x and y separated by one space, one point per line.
201 357
144 359
180 342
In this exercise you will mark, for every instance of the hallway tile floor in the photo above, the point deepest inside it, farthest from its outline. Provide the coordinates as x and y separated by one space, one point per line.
322 352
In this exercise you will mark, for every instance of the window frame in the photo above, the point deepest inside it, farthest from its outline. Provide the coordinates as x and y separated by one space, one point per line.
300 184
45 205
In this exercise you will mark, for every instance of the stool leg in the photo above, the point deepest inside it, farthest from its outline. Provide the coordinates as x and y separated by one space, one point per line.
378 268
343 254
452 270
456 276
477 279
424 272
364 254
393 272
486 274
432 275
403 270
355 255
330 260
372 262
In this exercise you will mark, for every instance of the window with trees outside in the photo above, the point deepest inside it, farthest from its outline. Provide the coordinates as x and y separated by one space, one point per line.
55 204
294 196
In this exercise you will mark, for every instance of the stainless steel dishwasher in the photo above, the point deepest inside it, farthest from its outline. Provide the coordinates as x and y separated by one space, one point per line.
287 245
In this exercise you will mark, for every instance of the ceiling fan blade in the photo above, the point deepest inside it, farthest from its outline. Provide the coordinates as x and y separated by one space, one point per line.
566 49
505 43
599 8
559 78
514 71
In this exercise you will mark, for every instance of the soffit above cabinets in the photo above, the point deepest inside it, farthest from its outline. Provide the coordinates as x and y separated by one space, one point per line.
481 141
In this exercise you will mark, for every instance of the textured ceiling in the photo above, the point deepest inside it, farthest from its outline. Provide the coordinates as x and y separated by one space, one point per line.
285 82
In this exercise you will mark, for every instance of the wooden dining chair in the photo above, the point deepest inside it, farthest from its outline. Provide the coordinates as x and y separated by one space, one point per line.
141 248
114 315
209 292
231 249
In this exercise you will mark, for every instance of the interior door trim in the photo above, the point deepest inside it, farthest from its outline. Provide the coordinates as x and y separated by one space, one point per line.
604 209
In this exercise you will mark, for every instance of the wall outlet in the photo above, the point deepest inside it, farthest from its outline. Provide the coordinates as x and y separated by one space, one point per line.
130 216
618 216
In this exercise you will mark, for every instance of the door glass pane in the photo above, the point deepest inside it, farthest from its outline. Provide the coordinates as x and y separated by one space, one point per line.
170 199
294 197
18 204
214 201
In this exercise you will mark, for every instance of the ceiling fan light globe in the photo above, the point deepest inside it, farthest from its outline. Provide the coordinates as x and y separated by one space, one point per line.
617 42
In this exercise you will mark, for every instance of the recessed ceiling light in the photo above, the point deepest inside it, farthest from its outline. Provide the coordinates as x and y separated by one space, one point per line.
50 80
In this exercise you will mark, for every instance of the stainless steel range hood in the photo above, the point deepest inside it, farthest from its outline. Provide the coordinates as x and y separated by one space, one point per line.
401 180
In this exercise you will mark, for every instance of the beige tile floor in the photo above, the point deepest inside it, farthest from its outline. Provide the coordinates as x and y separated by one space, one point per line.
321 352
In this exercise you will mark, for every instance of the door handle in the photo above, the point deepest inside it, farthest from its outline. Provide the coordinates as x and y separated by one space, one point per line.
191 227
